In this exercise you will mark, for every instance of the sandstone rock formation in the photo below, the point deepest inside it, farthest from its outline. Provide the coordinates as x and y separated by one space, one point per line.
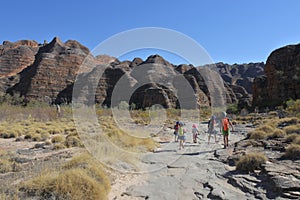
282 78
239 80
241 74
55 67
14 57
46 72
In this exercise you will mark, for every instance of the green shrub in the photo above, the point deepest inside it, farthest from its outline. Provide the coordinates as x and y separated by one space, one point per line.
251 162
292 152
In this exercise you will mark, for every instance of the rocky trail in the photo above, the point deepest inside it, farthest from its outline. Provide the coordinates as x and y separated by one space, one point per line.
191 173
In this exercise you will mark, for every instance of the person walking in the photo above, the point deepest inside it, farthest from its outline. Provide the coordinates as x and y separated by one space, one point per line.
195 133
211 128
181 135
225 129
176 127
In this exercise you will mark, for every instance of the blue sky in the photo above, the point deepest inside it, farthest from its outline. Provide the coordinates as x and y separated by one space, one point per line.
231 31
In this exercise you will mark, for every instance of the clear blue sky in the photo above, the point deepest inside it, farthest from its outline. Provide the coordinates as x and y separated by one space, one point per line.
231 31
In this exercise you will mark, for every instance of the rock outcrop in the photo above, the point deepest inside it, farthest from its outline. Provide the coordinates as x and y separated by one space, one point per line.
239 80
55 67
241 74
14 57
282 78
47 72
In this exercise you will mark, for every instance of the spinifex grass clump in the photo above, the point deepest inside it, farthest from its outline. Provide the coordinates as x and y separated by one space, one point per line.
7 163
251 162
277 133
124 139
292 152
80 178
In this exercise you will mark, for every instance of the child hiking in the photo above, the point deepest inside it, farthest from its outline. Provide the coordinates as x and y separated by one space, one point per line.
176 127
181 135
225 129
195 132
211 128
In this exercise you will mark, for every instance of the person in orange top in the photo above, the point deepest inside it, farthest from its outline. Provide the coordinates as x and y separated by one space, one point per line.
225 129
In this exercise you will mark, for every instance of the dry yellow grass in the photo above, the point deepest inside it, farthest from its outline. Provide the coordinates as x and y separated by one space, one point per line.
292 137
292 129
277 133
292 152
251 162
7 163
80 178
257 135
58 139
267 128
123 139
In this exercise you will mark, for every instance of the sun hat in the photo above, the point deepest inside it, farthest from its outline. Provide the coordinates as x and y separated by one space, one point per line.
224 114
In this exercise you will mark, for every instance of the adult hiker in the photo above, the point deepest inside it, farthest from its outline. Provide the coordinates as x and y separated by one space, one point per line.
225 129
211 128
195 133
181 135
176 127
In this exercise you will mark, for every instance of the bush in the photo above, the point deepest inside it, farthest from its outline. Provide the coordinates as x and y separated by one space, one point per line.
292 152
36 138
59 146
57 139
292 137
266 128
278 133
257 135
83 179
73 141
251 162
293 106
292 129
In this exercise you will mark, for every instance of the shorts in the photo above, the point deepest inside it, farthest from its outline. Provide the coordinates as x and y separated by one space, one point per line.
175 133
226 132
181 137
212 132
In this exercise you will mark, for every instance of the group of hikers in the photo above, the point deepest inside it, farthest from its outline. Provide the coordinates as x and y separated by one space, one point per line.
224 125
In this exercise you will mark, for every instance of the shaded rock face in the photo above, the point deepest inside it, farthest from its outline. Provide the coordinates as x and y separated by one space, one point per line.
282 78
239 80
14 57
54 68
241 74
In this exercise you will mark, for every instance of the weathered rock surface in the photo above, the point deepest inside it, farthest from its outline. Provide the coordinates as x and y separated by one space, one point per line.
241 74
239 80
14 57
54 68
203 171
282 78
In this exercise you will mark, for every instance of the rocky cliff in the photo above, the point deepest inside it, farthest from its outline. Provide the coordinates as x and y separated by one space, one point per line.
239 79
46 72
282 78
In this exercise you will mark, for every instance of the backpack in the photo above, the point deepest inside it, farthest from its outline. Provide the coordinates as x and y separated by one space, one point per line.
225 123
176 127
